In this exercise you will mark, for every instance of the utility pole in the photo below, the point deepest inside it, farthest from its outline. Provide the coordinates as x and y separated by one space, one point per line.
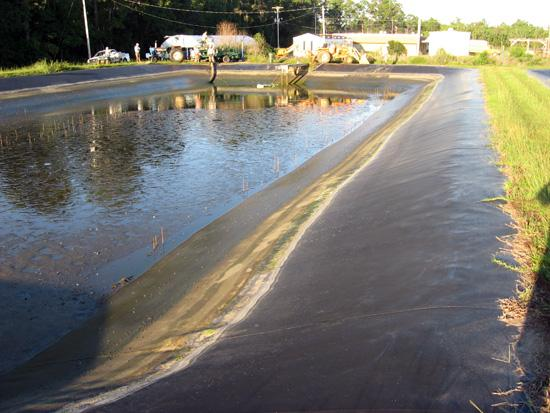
323 21
278 20
86 28
419 32
315 22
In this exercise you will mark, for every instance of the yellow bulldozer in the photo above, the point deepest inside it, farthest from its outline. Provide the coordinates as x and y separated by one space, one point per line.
337 50
284 52
345 52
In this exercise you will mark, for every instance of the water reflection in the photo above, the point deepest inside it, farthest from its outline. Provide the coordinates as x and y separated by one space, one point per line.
82 192
102 150
129 166
234 98
39 179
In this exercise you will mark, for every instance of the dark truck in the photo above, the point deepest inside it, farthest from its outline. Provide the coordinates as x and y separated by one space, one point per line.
224 54
179 47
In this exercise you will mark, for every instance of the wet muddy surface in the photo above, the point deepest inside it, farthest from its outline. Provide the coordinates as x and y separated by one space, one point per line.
92 195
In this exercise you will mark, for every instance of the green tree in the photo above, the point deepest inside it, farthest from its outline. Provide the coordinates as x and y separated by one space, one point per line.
499 36
410 23
430 25
53 29
396 49
354 14
386 15
521 28
458 25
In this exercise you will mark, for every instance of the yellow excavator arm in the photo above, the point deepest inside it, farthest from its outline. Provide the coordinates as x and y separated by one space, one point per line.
284 52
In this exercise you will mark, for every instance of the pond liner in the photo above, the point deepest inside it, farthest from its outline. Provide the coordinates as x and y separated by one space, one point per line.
389 302
55 375
542 75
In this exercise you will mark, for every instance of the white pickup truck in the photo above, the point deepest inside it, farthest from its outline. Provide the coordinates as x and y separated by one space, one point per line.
109 56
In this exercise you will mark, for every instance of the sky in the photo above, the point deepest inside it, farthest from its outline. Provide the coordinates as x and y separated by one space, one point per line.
494 11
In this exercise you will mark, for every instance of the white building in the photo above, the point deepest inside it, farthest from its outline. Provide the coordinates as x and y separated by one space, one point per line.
452 42
306 44
378 42
479 46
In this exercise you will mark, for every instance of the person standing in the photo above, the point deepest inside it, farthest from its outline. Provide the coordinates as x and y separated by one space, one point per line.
136 51
197 55
211 52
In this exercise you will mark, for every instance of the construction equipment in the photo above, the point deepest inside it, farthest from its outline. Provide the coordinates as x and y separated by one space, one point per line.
283 52
180 47
223 54
342 50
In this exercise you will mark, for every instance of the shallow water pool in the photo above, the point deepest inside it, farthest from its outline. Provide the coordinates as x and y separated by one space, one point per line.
93 195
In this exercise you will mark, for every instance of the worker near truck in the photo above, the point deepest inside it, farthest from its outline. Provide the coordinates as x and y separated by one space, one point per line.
211 53
196 54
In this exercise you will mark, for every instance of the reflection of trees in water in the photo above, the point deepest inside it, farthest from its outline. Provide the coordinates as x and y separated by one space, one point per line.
223 97
35 175
122 146
102 155
111 167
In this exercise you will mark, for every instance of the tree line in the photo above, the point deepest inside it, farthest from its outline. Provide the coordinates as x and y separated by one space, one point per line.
54 29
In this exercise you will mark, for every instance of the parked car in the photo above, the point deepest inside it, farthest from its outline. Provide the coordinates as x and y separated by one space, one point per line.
109 56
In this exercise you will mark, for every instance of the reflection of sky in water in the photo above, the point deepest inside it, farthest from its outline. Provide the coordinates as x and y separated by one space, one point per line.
128 168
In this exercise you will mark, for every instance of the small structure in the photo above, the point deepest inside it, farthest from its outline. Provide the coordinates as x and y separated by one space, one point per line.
544 44
306 44
451 41
478 46
378 42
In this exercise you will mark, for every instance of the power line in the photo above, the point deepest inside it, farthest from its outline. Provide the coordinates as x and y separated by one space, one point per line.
199 25
62 37
214 11
297 17
163 18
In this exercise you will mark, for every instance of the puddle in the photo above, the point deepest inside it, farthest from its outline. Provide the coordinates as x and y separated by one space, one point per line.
96 194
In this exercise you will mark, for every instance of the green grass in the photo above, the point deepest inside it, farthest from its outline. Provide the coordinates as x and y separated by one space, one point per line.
519 106
479 60
44 67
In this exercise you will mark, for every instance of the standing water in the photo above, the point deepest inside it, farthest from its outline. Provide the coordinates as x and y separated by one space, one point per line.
90 197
